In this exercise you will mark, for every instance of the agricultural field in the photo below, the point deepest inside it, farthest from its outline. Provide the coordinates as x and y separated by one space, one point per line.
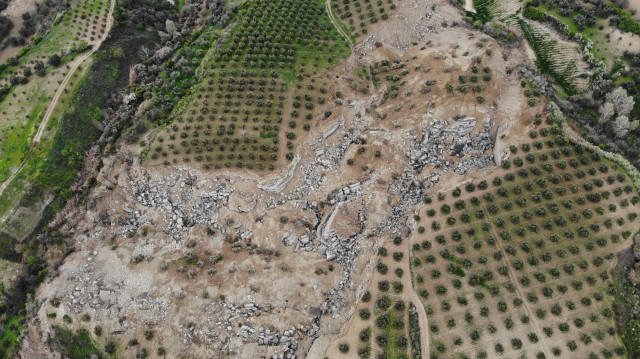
35 78
609 43
558 57
489 10
518 264
259 94
385 323
75 31
359 15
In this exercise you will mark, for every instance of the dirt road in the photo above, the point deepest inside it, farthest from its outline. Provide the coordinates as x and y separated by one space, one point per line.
337 24
54 101
424 323
13 175
74 66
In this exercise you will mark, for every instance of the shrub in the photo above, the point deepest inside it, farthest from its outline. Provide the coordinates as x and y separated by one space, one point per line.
55 60
397 287
365 334
383 303
382 321
148 334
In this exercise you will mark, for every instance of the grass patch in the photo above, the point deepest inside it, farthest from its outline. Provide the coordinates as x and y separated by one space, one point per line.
78 345
10 338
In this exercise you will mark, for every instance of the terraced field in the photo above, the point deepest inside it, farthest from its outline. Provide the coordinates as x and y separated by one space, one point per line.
557 58
488 10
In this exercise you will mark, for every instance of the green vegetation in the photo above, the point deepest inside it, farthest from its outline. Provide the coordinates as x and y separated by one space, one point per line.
627 298
9 339
483 10
627 22
78 345
239 114
561 67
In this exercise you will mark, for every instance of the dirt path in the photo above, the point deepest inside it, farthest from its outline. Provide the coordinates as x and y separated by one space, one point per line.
76 63
54 101
336 23
424 322
512 276
13 175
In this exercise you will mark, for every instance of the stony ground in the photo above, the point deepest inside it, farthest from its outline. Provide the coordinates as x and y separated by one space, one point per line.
245 265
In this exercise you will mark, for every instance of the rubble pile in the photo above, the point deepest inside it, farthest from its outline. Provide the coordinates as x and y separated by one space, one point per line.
287 340
98 292
176 197
458 140
327 158
346 193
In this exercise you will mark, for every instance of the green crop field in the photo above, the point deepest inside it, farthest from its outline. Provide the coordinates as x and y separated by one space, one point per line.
519 265
258 93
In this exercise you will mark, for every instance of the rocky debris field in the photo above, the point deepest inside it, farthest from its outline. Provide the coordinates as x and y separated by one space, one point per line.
438 142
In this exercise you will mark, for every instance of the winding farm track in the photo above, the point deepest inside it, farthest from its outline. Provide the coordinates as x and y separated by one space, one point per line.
56 97
336 23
